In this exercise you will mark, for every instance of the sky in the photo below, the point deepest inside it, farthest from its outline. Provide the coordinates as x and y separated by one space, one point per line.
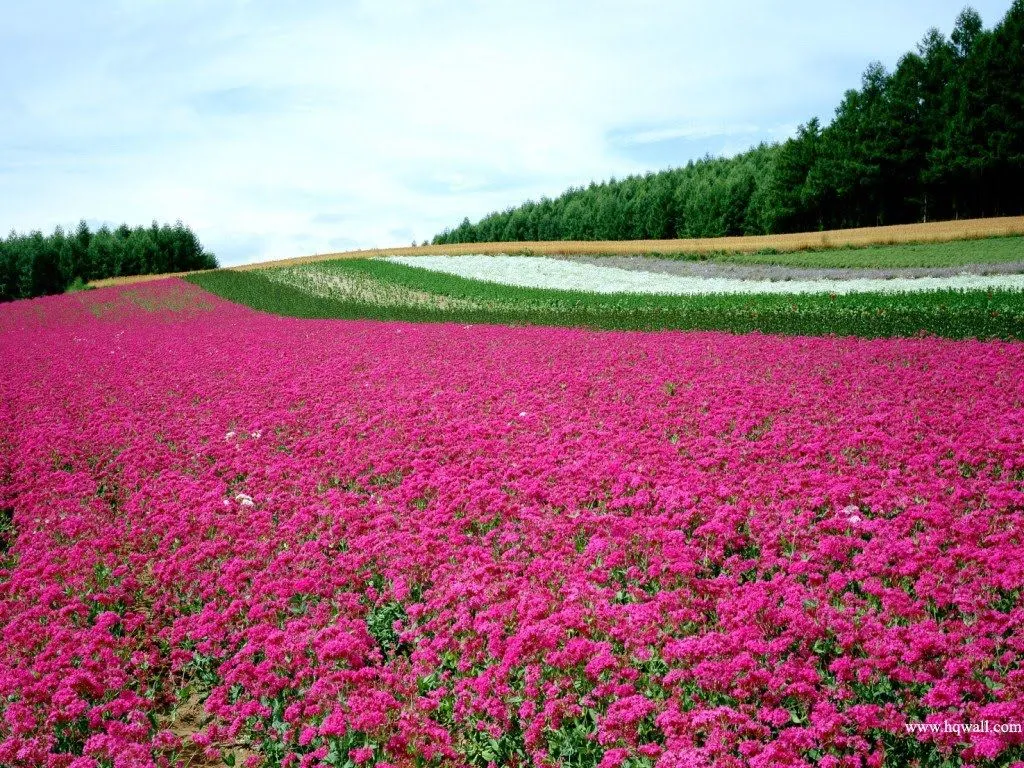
283 129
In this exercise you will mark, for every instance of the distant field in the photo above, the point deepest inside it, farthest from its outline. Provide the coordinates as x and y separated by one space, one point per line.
383 290
651 275
933 232
954 253
131 279
937 244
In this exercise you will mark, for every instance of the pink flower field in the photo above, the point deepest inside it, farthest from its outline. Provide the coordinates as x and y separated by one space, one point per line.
230 538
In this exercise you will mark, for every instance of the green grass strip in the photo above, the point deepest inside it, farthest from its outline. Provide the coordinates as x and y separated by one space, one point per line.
949 313
955 253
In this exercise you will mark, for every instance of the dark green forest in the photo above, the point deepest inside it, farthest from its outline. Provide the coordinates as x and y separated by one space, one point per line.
941 137
37 265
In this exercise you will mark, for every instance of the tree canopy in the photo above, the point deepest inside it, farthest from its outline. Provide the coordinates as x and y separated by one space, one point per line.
940 137
37 265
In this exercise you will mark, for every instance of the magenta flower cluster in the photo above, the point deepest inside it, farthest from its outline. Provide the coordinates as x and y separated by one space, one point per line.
364 543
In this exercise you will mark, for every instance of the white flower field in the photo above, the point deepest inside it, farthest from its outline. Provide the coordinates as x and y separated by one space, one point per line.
544 272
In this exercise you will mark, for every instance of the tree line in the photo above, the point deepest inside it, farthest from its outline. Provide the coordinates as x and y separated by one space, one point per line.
940 137
38 265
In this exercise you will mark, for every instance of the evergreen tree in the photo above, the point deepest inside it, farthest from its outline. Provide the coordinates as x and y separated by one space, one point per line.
36 265
942 136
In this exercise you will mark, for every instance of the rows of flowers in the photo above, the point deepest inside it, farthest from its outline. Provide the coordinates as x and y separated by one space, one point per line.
545 272
233 538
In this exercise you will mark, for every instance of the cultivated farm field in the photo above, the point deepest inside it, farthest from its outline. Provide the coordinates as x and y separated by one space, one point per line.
969 300
941 243
235 538
862 237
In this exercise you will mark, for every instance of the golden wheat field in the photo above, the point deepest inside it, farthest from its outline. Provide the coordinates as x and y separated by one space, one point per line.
129 279
931 232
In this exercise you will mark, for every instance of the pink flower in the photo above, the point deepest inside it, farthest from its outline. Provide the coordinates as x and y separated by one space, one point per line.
424 565
361 755
613 758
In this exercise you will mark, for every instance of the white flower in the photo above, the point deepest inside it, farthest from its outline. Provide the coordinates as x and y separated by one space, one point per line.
850 511
542 272
229 435
244 499
522 413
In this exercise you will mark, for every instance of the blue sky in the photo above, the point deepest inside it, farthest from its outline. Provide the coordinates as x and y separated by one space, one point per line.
279 129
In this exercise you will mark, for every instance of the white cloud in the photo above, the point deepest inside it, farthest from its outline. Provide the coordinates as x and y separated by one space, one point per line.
275 130
655 135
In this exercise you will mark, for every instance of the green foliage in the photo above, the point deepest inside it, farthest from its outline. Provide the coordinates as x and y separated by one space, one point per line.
940 137
949 313
7 530
76 285
575 742
36 265
956 253
482 749
380 623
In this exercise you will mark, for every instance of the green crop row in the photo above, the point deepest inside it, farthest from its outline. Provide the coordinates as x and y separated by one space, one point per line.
956 253
418 295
